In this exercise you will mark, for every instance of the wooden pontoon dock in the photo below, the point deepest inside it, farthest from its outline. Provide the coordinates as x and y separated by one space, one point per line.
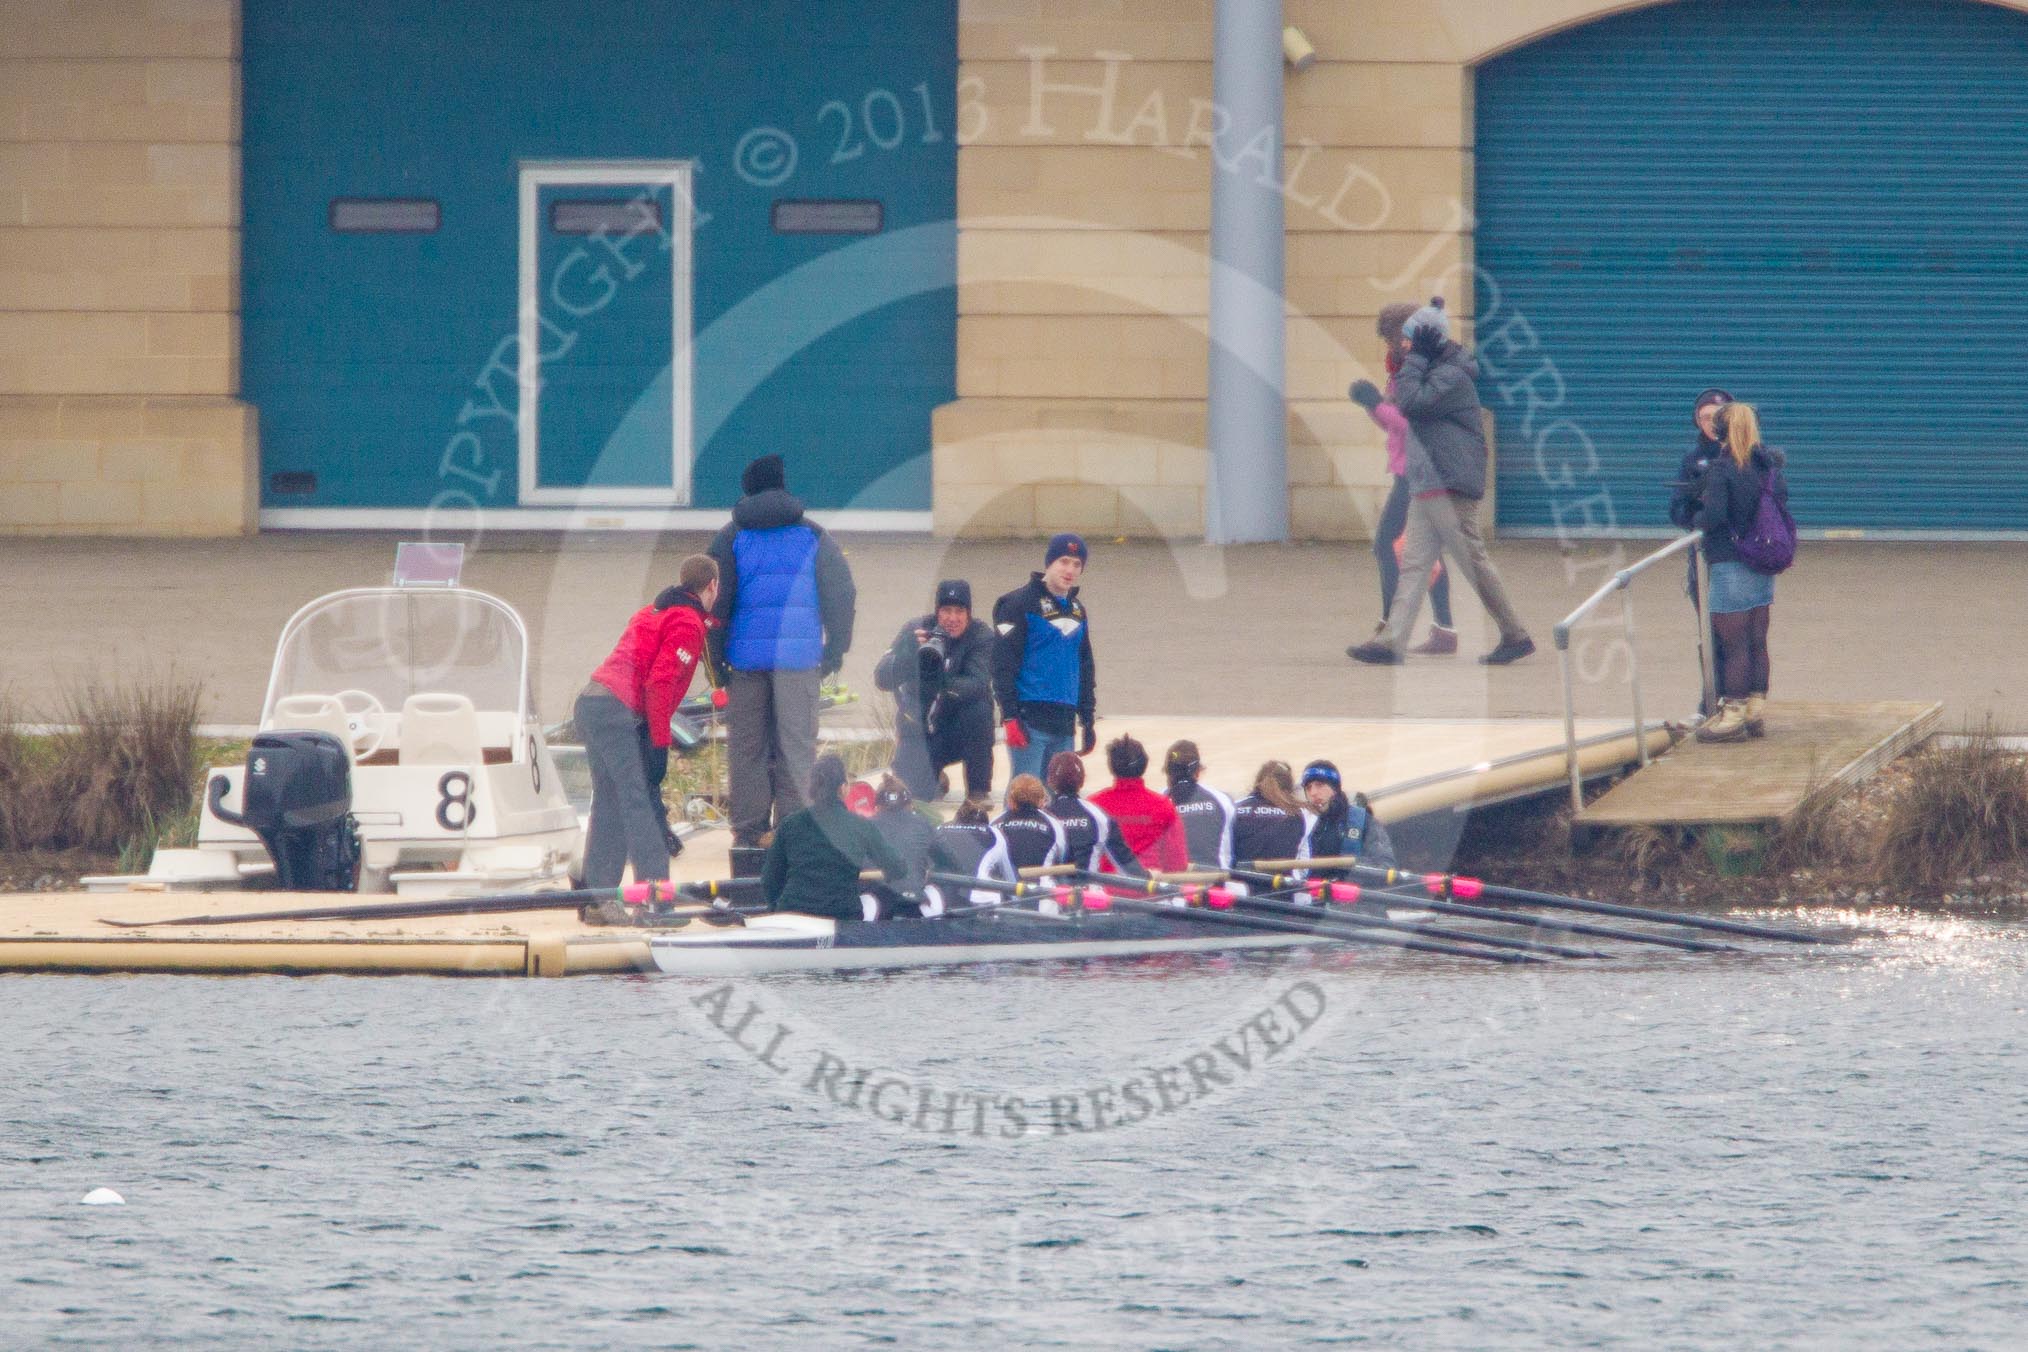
1410 768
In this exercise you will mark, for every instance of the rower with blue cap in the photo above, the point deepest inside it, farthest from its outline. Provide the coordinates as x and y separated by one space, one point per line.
1344 827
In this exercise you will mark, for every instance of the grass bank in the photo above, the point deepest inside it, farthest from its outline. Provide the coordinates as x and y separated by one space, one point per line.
1946 827
118 772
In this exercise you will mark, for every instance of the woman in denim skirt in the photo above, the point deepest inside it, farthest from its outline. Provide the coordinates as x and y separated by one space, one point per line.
1742 597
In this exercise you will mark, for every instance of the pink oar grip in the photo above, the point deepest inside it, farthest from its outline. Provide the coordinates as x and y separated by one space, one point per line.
1218 898
1345 893
1467 888
1097 899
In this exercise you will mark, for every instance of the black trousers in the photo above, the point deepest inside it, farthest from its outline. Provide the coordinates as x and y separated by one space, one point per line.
964 736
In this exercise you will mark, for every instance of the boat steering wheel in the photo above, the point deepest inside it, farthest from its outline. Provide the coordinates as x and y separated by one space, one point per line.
365 719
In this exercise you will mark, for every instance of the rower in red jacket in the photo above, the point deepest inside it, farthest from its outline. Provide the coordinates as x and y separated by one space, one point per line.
1147 820
623 718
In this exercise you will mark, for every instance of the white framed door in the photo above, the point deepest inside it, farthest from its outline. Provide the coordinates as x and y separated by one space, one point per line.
605 333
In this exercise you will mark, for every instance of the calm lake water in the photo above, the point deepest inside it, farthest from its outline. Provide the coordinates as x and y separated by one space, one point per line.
1801 1148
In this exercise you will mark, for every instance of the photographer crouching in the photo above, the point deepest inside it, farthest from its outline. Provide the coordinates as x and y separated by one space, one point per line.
940 670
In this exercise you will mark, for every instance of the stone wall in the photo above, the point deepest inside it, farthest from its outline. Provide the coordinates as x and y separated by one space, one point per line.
1084 203
119 270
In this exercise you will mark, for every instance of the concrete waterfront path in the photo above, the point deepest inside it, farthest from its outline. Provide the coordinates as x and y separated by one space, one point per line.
1180 629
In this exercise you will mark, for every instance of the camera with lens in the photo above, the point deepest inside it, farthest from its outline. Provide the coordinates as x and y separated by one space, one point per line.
932 662
933 657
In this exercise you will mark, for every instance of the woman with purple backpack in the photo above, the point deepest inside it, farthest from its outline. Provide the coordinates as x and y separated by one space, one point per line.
1743 565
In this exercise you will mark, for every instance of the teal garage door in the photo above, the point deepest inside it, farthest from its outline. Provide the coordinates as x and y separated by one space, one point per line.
1820 205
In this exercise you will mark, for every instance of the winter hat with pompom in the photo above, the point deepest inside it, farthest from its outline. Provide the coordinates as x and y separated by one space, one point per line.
1429 316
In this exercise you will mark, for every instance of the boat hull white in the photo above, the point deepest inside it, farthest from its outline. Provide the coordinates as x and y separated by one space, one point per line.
799 943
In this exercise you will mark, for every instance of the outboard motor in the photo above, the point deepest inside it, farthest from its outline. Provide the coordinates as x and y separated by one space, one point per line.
297 797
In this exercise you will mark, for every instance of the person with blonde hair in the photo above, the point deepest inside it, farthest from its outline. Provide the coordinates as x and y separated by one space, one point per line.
1034 838
1742 596
1270 822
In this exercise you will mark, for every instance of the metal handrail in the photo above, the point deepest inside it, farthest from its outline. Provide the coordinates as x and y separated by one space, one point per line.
1619 582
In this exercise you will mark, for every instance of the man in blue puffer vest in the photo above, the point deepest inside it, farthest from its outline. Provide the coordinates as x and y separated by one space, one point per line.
1043 673
785 603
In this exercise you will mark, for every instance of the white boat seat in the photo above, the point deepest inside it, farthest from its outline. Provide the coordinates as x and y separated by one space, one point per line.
440 729
319 713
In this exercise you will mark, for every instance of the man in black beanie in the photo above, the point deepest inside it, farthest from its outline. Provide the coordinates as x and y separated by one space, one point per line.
785 604
940 668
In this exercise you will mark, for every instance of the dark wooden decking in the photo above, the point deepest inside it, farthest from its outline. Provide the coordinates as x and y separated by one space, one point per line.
1811 748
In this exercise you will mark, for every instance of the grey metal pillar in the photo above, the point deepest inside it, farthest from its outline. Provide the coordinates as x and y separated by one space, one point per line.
1247 415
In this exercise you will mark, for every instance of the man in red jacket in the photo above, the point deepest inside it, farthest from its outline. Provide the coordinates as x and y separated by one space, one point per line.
1147 820
623 720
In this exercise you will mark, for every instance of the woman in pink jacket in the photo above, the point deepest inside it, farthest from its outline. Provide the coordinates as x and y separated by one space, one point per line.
1387 533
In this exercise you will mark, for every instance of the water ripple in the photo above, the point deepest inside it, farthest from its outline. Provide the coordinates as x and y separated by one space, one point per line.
1787 1150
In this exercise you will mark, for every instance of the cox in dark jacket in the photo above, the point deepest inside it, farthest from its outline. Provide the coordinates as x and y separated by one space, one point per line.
814 861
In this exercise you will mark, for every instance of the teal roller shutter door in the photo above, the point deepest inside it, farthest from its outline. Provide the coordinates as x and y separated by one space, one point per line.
1819 206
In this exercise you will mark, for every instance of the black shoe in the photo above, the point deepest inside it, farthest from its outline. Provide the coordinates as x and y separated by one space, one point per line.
670 839
1510 650
1375 654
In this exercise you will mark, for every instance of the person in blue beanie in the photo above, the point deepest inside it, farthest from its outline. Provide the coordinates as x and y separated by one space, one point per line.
1043 673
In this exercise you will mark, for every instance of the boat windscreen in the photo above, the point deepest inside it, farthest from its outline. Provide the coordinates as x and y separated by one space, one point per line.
394 644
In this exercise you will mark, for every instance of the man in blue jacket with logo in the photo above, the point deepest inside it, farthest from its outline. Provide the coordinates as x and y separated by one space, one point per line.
785 603
1043 674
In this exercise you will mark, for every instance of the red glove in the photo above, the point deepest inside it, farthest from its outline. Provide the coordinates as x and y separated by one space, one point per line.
1017 740
719 699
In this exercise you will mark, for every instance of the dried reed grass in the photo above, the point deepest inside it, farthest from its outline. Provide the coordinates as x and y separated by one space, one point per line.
124 764
1962 814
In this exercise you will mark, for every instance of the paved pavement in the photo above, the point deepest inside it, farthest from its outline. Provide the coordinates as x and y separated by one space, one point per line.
1180 629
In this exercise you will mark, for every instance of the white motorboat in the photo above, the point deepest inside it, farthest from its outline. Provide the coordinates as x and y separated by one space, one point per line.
452 787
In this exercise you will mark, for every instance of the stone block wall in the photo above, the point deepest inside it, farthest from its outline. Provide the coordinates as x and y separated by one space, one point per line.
119 270
1084 179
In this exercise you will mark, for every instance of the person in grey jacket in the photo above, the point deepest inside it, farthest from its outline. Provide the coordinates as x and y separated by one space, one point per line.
940 669
1446 453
